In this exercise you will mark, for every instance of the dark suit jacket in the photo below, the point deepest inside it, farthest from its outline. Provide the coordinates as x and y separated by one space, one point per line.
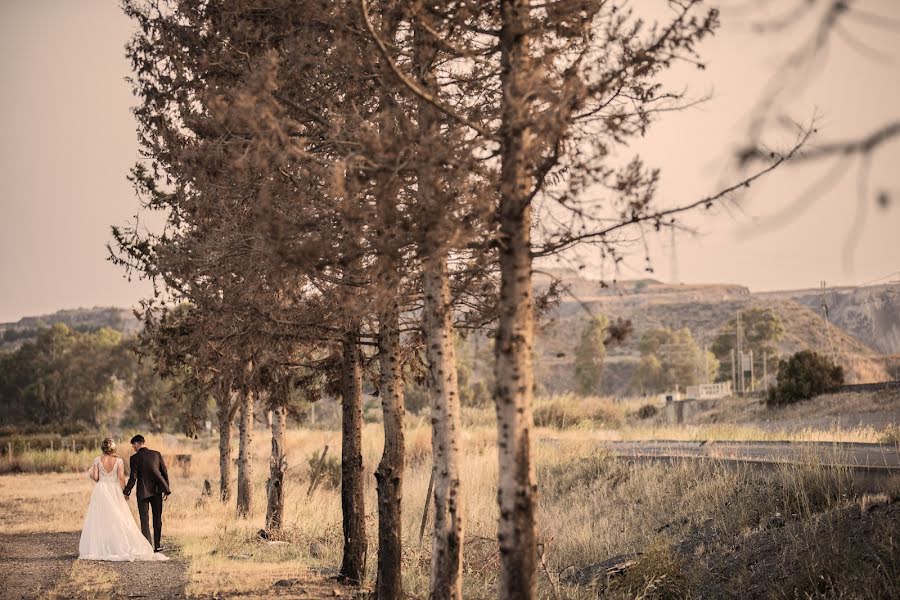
149 471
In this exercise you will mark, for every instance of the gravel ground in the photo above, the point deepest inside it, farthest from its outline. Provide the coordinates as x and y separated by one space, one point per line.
33 565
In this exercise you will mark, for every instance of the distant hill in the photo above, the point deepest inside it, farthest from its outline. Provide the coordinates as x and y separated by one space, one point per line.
13 335
870 313
865 323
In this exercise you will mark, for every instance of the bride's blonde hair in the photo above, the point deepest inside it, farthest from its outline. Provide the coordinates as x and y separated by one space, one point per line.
108 445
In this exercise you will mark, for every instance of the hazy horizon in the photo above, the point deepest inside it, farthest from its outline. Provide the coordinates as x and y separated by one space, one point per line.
886 281
69 141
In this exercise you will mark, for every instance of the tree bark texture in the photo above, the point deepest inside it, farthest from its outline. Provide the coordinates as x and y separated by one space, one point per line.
245 428
353 503
389 475
447 542
225 414
517 490
277 466
449 514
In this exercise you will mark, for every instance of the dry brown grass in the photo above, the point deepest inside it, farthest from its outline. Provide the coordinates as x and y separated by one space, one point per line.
86 581
46 461
573 412
32 502
592 507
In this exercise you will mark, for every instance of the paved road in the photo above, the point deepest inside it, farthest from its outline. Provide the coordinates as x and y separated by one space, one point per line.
859 456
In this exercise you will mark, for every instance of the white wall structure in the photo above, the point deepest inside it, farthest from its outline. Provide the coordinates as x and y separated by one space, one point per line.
708 391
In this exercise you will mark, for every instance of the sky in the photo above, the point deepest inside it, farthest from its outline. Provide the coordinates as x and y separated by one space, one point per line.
67 141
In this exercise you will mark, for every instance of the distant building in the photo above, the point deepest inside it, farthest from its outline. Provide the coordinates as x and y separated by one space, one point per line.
670 396
708 391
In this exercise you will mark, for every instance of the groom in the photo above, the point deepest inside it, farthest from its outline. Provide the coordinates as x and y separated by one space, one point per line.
149 471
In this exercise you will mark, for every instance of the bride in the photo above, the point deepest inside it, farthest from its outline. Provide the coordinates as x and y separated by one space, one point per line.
110 532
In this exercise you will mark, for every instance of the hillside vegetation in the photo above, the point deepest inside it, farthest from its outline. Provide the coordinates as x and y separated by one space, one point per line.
84 320
869 313
705 310
865 329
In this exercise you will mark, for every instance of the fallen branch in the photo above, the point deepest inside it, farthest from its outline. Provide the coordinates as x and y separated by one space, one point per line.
314 480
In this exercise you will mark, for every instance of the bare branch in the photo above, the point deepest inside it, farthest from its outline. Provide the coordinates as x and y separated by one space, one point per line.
658 217
413 86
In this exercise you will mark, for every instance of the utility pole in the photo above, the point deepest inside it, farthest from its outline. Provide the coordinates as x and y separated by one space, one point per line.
740 351
765 373
705 364
827 325
674 271
752 384
733 374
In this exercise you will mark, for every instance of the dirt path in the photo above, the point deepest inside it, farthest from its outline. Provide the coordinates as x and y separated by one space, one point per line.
39 551
33 563
43 565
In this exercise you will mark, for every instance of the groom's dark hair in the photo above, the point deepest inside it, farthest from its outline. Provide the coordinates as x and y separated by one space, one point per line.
138 439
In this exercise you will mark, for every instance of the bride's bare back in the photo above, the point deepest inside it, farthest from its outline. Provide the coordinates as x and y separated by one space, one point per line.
109 463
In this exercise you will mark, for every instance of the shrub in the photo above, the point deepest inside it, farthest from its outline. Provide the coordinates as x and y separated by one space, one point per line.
890 435
804 375
647 411
556 413
476 394
657 575
580 474
48 461
416 398
568 410
329 471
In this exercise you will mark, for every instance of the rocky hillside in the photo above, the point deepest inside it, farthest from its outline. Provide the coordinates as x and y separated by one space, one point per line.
864 323
12 335
870 313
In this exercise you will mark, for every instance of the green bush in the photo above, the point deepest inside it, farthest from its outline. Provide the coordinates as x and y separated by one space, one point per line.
804 375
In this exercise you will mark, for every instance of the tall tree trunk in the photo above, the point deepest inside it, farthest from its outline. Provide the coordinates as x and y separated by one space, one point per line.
389 476
353 502
275 484
245 475
225 406
447 544
517 491
449 515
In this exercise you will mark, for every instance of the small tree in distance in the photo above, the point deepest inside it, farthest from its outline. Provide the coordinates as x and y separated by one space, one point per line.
671 359
762 329
804 375
589 356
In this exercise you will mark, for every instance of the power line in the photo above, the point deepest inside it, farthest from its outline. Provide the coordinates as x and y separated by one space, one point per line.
740 350
888 276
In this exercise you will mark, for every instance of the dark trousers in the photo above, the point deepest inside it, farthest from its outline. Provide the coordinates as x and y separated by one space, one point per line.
155 503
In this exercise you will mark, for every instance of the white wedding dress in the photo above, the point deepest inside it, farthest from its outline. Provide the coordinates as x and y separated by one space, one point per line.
110 532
